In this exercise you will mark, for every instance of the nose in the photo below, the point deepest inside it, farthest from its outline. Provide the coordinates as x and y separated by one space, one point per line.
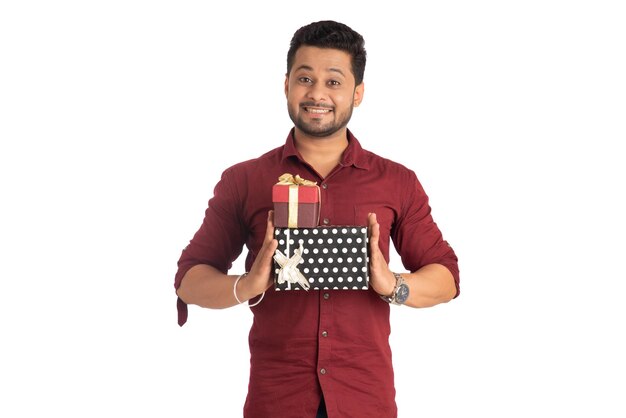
317 92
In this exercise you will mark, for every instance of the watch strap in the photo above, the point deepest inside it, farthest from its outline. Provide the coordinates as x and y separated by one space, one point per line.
394 294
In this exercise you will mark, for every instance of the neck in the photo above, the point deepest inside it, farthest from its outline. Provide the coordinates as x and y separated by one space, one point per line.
323 154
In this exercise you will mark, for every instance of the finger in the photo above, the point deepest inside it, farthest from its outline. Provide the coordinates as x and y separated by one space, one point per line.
374 230
270 243
267 250
376 257
262 266
269 229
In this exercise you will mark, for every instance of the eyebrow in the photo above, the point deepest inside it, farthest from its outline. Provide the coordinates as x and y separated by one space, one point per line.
309 68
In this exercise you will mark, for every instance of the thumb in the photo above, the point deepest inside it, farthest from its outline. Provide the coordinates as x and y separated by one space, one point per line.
373 229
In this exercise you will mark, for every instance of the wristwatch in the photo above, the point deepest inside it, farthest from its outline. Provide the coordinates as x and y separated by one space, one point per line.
400 292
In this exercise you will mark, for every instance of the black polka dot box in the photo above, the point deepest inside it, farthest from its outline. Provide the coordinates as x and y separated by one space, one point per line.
334 257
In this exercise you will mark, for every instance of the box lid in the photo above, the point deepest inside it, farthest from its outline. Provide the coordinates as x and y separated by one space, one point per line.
306 194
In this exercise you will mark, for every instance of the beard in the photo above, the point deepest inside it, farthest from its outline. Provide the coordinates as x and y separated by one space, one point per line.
317 128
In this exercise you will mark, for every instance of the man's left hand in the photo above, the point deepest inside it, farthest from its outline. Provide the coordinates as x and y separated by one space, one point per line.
382 279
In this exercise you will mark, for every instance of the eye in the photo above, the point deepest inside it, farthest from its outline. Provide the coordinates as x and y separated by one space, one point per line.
334 83
305 80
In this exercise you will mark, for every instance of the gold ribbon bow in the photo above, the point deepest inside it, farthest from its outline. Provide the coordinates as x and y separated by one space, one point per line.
289 179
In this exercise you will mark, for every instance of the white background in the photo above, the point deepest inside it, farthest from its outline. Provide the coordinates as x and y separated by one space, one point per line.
118 117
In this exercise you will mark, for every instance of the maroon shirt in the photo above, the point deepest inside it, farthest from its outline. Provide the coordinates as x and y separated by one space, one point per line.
335 342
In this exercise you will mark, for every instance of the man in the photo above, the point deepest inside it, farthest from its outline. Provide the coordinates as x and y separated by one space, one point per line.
319 353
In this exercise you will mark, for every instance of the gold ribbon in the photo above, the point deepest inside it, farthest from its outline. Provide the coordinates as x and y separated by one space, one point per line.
293 182
292 221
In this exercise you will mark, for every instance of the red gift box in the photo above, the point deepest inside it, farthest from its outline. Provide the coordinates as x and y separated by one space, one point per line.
296 202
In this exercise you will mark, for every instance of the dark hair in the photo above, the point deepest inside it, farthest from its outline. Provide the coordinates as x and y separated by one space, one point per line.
331 34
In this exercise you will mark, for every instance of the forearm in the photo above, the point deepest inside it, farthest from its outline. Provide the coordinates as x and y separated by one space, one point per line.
205 286
429 286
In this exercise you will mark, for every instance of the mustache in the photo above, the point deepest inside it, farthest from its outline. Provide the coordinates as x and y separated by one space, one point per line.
313 104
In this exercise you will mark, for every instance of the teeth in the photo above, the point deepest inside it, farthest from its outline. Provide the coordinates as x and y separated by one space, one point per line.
318 110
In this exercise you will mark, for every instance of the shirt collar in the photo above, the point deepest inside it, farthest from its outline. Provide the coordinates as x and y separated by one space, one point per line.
353 155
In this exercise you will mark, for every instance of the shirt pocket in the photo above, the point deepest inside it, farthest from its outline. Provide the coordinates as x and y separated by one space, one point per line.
384 216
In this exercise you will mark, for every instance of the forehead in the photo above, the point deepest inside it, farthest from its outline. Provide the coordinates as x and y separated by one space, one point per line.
316 59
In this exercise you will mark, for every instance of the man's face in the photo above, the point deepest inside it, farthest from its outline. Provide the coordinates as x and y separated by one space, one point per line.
321 91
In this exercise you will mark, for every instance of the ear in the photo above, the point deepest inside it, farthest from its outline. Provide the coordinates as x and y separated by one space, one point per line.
286 85
358 94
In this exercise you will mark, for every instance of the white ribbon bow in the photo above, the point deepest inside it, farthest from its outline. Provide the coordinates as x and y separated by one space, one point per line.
289 272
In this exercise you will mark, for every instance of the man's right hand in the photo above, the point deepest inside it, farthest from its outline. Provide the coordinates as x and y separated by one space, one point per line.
260 278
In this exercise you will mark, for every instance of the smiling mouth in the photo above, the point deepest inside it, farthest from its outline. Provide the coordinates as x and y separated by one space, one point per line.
317 110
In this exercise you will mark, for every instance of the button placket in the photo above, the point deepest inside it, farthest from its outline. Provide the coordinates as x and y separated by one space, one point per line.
326 210
324 342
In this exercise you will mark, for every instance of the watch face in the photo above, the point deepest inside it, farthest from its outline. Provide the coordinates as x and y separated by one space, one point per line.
402 294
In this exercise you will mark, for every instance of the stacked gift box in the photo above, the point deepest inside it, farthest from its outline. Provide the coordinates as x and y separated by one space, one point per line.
296 202
309 256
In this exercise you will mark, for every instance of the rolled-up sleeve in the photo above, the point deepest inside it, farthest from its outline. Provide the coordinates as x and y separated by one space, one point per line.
219 240
417 237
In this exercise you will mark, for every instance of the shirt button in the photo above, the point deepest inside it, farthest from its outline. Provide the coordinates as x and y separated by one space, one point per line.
326 221
324 334
324 186
322 371
326 295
